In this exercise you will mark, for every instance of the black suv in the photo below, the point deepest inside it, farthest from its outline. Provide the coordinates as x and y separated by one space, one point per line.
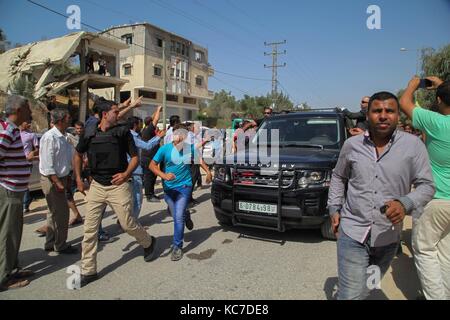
292 194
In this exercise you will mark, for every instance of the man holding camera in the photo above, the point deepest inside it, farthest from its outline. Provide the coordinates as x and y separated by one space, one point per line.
370 194
431 233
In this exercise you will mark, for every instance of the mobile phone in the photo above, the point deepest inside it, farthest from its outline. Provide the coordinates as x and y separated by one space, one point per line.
383 209
425 83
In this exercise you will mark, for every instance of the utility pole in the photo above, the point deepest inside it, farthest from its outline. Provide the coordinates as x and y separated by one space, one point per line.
164 103
274 67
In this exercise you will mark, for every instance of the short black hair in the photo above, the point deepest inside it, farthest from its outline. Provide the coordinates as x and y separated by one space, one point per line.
179 126
382 96
148 120
79 123
173 120
443 92
132 121
103 105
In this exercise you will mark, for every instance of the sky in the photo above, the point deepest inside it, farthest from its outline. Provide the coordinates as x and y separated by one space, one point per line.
332 58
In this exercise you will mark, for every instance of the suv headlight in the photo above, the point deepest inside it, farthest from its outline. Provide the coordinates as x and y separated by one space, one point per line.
221 174
312 178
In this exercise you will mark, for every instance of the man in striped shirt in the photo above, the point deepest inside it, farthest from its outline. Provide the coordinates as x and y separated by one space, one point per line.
15 171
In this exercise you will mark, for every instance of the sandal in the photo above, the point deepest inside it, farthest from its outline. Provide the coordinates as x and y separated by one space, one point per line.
25 273
75 222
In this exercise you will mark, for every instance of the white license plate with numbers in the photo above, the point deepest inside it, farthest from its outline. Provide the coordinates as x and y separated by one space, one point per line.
264 208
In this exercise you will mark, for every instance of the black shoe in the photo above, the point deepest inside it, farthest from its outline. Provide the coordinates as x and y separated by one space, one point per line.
85 280
150 251
69 250
189 224
104 238
153 199
49 249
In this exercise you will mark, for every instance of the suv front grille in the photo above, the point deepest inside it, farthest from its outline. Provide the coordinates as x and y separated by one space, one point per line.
254 177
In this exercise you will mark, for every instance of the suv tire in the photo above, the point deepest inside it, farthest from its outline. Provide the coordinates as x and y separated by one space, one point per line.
327 230
223 219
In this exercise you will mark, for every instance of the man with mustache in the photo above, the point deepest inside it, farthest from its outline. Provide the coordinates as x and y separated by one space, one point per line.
370 194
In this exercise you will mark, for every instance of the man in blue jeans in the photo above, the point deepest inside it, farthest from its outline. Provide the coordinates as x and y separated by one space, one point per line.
135 125
370 193
177 182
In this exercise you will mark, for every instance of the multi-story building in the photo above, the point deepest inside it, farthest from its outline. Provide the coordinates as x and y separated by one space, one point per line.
142 65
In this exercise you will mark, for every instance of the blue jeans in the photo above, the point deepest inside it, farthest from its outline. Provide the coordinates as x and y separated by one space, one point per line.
137 195
354 260
178 199
27 200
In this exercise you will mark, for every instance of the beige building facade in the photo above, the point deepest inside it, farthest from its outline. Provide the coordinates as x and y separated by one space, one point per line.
141 64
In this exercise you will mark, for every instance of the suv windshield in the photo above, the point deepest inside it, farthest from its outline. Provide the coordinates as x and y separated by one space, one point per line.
303 131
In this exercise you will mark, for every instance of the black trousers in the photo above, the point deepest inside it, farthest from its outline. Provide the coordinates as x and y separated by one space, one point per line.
149 178
195 174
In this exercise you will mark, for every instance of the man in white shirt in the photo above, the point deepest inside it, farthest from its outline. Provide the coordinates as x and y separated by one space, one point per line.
55 166
173 120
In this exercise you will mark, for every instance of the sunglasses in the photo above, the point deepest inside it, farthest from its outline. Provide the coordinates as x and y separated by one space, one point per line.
267 112
364 101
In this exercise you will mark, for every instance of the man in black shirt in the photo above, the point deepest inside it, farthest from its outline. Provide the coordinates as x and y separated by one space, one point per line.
107 147
146 156
360 117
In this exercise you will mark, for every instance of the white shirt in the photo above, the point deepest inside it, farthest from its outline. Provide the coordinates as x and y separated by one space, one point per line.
168 138
55 154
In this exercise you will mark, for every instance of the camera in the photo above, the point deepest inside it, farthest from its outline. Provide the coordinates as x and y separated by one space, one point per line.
425 83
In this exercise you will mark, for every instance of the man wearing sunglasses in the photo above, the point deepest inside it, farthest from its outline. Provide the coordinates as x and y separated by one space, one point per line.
360 117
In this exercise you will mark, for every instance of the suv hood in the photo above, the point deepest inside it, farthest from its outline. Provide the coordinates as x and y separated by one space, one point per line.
290 158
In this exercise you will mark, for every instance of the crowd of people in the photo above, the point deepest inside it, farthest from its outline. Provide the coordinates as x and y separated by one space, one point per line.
384 172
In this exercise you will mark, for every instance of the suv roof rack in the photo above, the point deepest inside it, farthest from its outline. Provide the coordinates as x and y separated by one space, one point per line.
336 109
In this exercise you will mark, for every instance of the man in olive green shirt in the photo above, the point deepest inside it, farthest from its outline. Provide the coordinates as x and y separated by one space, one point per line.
431 232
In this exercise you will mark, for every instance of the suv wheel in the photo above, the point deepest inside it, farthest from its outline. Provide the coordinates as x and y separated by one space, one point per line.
327 230
223 219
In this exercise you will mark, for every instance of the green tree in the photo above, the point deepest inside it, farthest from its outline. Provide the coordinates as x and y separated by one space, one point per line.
23 86
434 63
4 44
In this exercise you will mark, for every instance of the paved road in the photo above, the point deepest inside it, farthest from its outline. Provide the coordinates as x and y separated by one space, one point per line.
235 263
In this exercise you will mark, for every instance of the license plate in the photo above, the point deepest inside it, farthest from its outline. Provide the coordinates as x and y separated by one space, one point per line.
264 208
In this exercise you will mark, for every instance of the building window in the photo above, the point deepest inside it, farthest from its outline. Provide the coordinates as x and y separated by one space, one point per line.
124 95
147 94
157 71
159 42
128 38
127 69
172 97
199 56
189 101
199 81
172 46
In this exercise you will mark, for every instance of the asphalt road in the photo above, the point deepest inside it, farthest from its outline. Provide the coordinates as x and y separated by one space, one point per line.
219 263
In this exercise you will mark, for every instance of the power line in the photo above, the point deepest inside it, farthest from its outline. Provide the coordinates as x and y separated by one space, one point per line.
230 85
243 77
226 18
212 28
